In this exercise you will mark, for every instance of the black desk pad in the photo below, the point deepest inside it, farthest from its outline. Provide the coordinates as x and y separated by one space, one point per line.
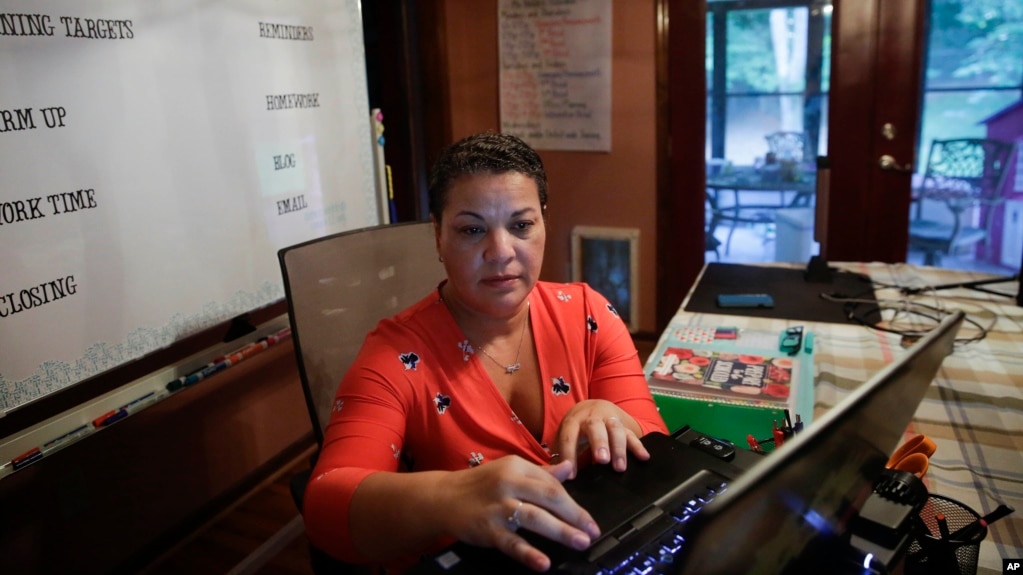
794 297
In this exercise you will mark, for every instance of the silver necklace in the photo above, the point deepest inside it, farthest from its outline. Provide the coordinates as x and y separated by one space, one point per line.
510 369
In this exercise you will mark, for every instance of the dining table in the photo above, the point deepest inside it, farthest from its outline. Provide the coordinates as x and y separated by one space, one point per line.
973 410
728 188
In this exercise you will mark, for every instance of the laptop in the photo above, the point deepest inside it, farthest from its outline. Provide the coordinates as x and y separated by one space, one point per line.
686 511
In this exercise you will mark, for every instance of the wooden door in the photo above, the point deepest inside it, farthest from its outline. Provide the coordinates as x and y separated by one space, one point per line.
876 65
875 109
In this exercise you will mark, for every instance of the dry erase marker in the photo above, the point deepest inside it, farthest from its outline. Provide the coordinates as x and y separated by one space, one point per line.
176 384
248 351
144 402
26 459
206 372
284 333
128 409
98 422
236 353
209 369
74 434
228 360
113 418
6 469
186 380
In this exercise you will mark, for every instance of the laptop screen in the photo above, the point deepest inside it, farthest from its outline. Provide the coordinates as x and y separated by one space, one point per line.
810 489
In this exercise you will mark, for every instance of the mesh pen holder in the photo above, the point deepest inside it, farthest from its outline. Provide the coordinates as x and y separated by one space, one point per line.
955 553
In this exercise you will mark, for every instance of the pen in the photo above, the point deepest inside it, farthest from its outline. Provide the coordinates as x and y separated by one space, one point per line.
942 526
970 531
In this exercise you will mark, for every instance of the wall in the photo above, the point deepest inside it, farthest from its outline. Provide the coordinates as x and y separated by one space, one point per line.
615 189
110 502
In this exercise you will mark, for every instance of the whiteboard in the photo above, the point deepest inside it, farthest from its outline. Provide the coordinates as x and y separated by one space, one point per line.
154 156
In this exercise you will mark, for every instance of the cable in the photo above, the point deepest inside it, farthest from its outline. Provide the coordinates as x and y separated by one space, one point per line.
899 307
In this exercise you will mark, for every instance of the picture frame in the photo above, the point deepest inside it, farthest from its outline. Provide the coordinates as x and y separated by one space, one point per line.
607 259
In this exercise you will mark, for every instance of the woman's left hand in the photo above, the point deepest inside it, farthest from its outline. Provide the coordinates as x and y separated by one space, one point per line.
602 429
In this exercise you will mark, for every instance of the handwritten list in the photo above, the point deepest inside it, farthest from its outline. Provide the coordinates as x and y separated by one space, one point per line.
555 73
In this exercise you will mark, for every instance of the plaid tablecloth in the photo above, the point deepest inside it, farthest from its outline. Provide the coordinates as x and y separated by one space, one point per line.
974 410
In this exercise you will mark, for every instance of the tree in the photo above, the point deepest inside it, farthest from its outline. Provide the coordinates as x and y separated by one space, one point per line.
976 43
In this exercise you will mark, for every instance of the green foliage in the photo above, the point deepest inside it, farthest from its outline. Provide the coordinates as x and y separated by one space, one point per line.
973 43
977 43
751 64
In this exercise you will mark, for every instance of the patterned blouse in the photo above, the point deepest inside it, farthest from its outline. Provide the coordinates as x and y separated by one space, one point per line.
418 394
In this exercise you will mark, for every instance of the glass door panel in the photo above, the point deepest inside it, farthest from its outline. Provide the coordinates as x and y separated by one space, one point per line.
973 84
768 72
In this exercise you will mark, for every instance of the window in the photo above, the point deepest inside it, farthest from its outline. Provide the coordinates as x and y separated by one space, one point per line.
768 69
974 67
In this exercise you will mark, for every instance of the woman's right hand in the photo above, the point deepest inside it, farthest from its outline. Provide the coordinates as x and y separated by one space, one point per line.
487 506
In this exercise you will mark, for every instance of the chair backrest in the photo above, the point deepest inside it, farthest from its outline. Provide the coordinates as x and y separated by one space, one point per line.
339 287
972 168
787 145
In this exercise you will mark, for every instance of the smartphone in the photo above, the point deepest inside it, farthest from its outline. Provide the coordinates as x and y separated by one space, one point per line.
762 300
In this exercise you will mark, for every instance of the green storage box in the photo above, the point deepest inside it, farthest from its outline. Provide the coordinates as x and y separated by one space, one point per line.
723 421
731 383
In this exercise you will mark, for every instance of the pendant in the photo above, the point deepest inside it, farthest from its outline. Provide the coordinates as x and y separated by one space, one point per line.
510 369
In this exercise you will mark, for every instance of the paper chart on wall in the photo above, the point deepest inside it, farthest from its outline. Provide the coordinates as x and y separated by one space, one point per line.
555 72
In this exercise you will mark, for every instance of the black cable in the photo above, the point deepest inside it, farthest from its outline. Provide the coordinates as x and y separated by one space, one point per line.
851 305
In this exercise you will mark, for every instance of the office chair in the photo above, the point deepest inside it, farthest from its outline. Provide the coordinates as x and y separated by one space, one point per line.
338 288
961 174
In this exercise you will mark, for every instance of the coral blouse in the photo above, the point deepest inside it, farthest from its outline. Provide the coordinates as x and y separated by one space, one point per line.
417 392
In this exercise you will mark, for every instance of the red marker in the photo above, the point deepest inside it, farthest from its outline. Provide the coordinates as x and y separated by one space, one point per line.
779 435
101 420
26 458
754 445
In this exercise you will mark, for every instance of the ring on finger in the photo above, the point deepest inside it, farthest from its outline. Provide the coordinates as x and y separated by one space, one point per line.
513 519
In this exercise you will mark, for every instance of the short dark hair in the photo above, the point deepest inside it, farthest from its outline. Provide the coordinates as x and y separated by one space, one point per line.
485 153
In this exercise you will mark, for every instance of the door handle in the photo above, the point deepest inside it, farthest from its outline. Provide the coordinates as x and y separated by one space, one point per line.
887 162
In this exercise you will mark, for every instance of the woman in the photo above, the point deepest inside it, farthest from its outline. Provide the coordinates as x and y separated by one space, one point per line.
491 390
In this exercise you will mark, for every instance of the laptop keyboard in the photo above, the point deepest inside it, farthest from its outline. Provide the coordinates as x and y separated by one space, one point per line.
646 514
663 534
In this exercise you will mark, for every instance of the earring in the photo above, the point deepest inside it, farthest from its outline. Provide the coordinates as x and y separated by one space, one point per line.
440 259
